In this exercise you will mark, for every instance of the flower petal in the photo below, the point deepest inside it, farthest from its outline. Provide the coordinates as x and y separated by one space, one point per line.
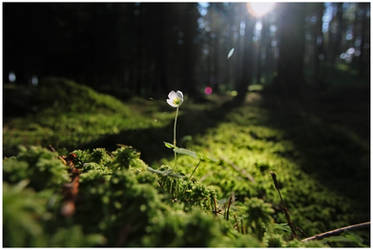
171 103
180 95
172 95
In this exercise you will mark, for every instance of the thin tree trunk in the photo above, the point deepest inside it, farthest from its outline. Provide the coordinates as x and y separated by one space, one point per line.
259 61
318 45
139 56
247 65
339 34
363 51
291 48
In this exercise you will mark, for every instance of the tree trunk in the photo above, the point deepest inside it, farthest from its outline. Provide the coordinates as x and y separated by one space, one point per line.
339 33
161 66
318 44
140 46
247 60
291 49
190 55
269 57
364 50
259 60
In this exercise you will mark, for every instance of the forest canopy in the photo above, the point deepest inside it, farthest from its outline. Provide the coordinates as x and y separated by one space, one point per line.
148 48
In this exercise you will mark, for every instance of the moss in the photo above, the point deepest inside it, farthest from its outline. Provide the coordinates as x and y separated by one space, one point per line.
126 203
66 114
39 165
274 240
118 204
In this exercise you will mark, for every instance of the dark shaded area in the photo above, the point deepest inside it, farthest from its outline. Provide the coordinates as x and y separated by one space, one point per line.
125 48
333 133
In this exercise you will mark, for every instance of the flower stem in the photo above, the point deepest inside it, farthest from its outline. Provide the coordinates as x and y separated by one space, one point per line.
177 112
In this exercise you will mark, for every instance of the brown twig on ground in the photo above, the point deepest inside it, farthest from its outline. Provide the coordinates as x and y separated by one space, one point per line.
236 225
215 207
70 189
239 170
229 205
59 157
299 229
284 207
337 231
52 148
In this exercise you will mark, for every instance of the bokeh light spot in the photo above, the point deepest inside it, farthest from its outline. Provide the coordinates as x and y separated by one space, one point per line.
208 90
12 77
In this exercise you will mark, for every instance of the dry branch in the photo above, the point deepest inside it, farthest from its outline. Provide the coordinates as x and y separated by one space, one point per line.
337 231
51 148
229 205
70 189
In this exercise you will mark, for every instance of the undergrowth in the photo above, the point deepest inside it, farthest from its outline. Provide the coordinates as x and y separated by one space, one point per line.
230 201
121 203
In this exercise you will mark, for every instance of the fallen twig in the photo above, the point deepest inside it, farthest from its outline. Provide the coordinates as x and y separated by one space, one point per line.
215 207
236 223
229 205
59 157
301 231
337 231
70 189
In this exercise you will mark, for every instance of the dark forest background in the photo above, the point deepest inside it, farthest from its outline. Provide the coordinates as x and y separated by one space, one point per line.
147 49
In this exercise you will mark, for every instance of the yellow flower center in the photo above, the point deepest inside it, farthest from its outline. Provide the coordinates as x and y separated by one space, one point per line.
177 101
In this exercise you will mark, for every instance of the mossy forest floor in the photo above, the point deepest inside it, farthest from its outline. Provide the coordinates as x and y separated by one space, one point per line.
317 145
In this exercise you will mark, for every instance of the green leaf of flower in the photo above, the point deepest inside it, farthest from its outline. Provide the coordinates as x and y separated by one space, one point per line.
185 151
168 145
205 157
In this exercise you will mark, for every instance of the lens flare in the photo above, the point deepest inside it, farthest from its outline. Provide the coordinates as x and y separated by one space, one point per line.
260 9
208 90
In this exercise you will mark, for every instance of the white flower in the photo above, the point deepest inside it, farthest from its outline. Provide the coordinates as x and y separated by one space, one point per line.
175 99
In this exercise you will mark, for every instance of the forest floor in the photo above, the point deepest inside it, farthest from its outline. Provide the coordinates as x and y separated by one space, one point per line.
317 145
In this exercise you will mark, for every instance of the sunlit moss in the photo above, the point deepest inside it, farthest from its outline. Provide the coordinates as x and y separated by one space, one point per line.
117 191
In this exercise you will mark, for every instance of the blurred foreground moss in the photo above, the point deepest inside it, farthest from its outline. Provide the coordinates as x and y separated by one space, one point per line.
120 203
